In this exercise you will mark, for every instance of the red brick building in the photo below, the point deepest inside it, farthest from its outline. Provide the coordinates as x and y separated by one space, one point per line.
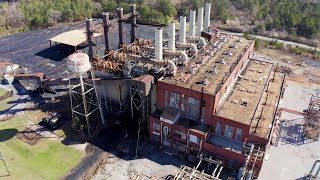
221 103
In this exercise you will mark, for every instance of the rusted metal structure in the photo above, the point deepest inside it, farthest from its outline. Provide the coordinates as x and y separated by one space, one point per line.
312 119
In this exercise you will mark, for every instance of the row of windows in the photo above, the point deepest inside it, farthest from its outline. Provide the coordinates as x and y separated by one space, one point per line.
193 104
228 131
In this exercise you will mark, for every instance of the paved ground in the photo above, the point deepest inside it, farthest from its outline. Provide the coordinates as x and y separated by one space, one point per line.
294 156
31 49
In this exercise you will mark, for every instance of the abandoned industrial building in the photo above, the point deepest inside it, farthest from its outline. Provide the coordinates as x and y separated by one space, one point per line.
195 92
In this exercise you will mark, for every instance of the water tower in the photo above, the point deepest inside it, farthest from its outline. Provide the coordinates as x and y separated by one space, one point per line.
85 103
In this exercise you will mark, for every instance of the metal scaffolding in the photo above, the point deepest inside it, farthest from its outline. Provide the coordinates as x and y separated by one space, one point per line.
312 119
84 101
186 172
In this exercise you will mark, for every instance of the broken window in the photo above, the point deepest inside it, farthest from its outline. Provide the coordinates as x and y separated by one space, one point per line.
174 99
218 127
193 108
228 132
194 139
156 126
239 134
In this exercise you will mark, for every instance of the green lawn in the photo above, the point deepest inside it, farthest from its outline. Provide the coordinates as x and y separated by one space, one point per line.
48 159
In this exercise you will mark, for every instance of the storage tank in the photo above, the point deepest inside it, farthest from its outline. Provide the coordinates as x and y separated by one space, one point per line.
78 62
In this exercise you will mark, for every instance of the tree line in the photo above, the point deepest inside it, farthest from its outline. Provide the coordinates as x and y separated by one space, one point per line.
299 18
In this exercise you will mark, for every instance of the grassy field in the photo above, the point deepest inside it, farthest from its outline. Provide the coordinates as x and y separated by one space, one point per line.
48 159
2 91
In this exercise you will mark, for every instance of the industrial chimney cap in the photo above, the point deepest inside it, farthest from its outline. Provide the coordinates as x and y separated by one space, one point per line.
78 62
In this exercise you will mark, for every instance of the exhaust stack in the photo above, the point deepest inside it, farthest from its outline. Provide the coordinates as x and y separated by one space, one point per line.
200 21
158 44
192 24
106 28
91 44
133 22
207 17
172 37
182 32
121 27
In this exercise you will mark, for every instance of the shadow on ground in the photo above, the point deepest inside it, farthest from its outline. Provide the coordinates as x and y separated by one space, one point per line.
6 134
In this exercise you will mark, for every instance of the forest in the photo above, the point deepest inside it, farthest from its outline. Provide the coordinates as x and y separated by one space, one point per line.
296 17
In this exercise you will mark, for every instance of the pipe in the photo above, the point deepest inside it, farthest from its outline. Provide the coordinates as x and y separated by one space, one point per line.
133 22
171 36
200 21
106 28
160 62
188 45
192 24
91 44
201 40
182 54
121 26
158 44
182 32
207 17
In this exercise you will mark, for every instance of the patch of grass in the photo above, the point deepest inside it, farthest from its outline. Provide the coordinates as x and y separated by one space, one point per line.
48 159
4 104
2 91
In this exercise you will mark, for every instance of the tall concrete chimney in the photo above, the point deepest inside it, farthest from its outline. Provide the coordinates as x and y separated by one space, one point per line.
200 21
171 37
182 31
133 22
106 28
121 27
91 44
192 24
158 44
207 17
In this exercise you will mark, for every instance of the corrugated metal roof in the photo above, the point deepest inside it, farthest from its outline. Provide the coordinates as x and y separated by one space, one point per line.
72 38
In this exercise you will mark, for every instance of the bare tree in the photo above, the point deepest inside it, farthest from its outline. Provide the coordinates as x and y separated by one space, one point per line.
15 18
54 16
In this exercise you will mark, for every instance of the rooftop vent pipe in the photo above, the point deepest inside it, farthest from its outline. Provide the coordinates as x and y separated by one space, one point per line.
106 25
192 24
207 17
91 44
200 21
205 80
133 22
121 27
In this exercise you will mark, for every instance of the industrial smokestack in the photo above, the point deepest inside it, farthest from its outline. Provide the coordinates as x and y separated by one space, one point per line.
133 22
158 44
91 44
106 25
200 21
182 31
207 17
192 24
172 38
121 27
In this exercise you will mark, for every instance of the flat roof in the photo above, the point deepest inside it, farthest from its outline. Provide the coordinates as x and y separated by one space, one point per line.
194 82
73 38
243 105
